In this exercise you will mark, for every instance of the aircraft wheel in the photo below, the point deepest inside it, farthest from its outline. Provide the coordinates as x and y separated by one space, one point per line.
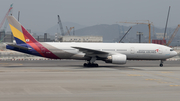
90 65
161 65
96 65
85 64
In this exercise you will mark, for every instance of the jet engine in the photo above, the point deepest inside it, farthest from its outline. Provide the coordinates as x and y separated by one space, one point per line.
116 59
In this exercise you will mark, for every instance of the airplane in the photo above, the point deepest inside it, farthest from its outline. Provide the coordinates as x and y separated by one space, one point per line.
115 53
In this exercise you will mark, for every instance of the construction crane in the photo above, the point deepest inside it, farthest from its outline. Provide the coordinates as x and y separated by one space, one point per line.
125 35
69 30
163 42
18 15
166 23
73 31
173 35
5 25
148 23
60 25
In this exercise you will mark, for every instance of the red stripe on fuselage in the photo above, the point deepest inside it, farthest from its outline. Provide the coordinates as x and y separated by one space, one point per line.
31 41
37 46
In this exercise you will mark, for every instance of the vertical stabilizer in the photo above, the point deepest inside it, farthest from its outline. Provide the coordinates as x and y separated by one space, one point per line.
21 35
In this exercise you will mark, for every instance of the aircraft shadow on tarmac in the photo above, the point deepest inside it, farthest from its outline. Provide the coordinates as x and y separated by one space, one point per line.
78 64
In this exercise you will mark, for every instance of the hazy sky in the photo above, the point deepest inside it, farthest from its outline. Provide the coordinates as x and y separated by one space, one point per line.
39 15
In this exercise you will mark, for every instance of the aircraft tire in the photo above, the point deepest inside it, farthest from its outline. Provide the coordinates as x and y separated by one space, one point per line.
85 64
90 65
96 65
161 65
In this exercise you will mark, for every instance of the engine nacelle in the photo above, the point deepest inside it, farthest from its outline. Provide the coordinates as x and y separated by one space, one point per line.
116 59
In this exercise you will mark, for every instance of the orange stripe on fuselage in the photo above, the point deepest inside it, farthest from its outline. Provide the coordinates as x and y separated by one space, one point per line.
34 46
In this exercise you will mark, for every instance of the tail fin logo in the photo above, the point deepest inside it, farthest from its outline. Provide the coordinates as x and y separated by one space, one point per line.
27 40
20 34
157 50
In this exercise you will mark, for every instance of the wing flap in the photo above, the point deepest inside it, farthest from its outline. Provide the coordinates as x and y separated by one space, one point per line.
91 52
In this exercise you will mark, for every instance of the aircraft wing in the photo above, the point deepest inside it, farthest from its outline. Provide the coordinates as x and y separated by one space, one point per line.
92 52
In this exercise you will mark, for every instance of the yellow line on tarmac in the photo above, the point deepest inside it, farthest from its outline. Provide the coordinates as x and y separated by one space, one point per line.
174 85
165 82
10 64
166 72
153 79
134 75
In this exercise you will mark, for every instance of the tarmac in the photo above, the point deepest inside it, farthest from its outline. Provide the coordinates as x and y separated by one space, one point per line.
68 80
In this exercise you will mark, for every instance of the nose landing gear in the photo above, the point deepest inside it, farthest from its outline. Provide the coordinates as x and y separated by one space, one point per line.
161 63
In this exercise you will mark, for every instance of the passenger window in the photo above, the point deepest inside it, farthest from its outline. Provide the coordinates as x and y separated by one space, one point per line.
171 50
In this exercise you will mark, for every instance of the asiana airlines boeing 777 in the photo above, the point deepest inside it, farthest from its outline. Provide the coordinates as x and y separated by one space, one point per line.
115 53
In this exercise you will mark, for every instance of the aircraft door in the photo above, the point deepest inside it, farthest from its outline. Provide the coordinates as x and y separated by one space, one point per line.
167 51
160 51
132 50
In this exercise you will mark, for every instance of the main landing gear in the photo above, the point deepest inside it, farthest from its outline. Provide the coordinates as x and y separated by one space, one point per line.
161 63
91 63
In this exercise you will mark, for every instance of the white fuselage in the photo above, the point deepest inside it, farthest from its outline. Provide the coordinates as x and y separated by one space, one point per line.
133 51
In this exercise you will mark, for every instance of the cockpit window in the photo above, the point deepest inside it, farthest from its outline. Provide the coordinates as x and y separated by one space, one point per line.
171 50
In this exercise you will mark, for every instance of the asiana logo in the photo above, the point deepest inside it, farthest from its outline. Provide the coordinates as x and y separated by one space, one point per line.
148 51
157 50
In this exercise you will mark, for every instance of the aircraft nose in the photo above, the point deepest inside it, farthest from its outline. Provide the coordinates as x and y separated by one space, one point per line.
174 53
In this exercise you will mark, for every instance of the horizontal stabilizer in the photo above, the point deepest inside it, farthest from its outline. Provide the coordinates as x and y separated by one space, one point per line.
20 47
